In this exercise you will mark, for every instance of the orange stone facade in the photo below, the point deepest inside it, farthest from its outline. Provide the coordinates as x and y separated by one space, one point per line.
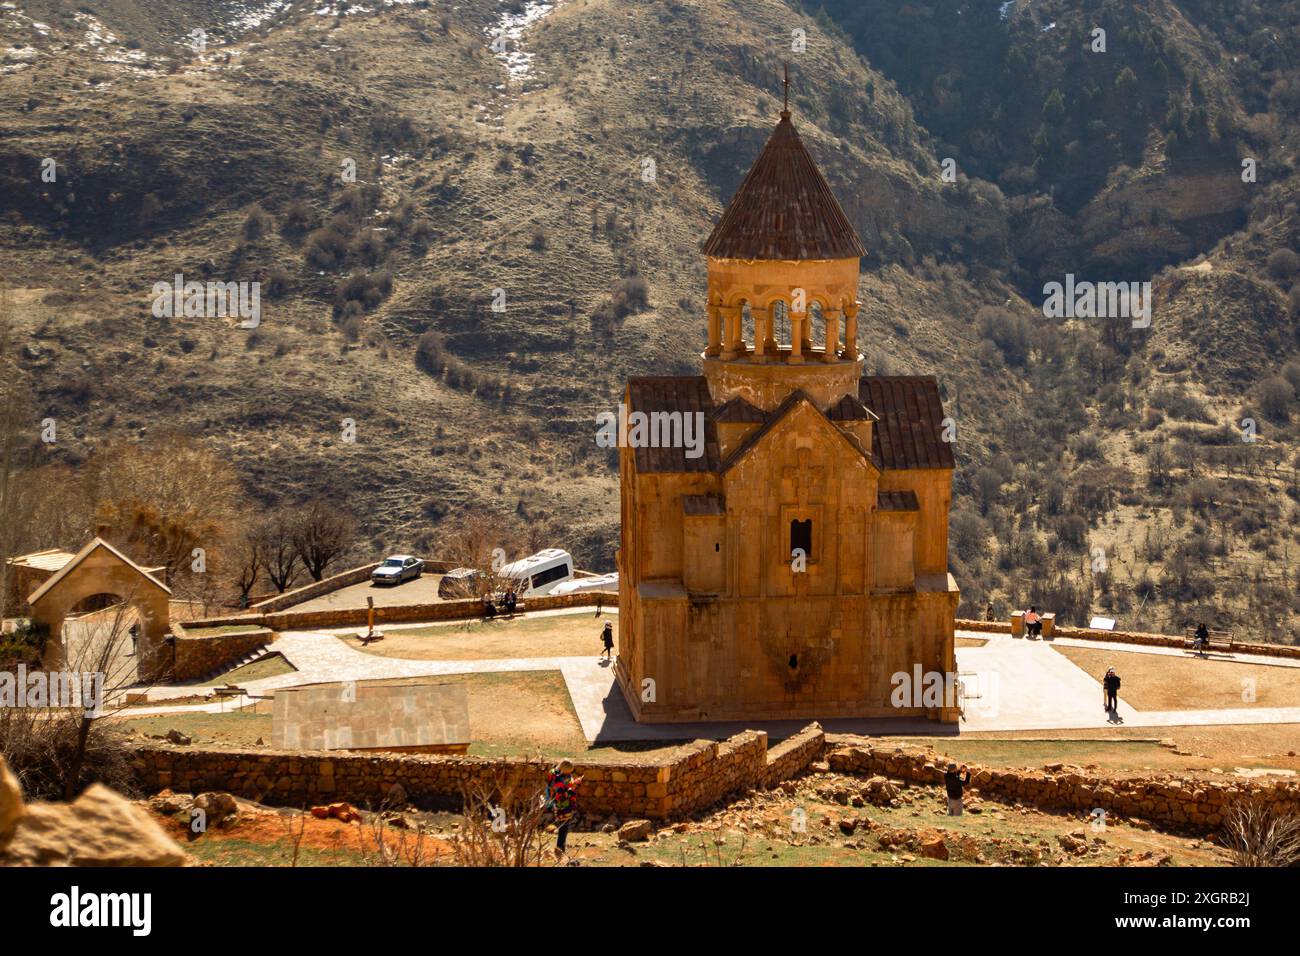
800 561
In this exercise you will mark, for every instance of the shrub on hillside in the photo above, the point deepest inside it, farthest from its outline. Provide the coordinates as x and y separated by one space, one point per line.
327 247
1276 395
257 224
1009 332
369 289
277 282
1282 264
297 217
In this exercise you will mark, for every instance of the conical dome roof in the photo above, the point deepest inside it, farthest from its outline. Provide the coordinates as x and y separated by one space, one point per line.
784 209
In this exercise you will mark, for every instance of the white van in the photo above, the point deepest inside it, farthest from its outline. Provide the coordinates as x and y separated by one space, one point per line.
601 582
539 573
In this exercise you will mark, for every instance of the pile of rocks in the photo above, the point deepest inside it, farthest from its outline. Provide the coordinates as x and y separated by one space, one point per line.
99 828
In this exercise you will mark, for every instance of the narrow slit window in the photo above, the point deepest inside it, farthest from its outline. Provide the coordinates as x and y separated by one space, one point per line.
801 536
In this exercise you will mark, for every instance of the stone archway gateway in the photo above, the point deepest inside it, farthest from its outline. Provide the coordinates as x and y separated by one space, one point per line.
99 568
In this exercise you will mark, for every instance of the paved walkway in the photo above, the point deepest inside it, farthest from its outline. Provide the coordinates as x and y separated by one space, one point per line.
1012 684
1025 685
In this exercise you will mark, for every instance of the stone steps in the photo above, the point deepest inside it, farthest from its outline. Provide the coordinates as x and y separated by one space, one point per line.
256 654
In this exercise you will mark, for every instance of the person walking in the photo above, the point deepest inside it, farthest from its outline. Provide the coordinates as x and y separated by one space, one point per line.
1110 685
953 782
607 638
1202 638
562 800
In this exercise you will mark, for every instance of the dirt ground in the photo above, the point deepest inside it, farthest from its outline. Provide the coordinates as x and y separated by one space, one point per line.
261 836
561 635
836 827
1163 682
1226 747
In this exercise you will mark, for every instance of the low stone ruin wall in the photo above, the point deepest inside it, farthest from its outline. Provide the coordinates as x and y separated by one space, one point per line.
1168 802
691 778
197 655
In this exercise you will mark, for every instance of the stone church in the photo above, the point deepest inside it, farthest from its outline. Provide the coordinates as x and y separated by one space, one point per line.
801 561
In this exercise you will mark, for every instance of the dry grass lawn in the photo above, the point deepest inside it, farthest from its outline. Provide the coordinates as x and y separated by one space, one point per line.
516 713
561 635
1163 682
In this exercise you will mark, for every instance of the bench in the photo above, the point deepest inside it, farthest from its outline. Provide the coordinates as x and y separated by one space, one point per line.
1018 623
1223 641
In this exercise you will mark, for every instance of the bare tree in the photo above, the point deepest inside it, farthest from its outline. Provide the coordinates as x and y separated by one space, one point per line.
163 500
485 542
1257 834
59 749
502 825
250 561
279 552
321 535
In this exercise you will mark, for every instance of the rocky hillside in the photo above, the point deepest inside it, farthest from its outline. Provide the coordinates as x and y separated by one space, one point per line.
465 250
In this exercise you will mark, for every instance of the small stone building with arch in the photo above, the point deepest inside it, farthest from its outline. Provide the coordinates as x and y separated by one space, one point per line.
100 568
801 561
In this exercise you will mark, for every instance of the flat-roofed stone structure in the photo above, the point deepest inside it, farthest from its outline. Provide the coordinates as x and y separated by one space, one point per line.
409 717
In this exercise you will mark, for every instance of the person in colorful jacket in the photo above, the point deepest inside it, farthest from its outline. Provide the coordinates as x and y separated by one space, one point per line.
562 800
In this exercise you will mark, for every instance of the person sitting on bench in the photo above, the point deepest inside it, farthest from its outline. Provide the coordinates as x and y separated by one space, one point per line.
1202 638
489 609
1033 622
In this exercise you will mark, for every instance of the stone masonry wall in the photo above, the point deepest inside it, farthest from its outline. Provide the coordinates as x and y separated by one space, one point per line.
197 655
405 614
315 589
1171 803
691 778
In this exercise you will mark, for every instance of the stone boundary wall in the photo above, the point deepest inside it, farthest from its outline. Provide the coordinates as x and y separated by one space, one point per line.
1168 802
315 589
1130 637
288 599
406 613
439 611
196 656
691 778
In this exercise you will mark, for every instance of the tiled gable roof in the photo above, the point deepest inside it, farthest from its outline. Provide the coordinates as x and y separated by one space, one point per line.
686 394
909 433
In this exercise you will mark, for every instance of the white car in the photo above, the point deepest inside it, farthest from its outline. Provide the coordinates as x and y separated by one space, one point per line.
396 569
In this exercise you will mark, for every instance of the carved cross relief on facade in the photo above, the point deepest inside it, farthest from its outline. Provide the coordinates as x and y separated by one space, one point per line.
805 481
